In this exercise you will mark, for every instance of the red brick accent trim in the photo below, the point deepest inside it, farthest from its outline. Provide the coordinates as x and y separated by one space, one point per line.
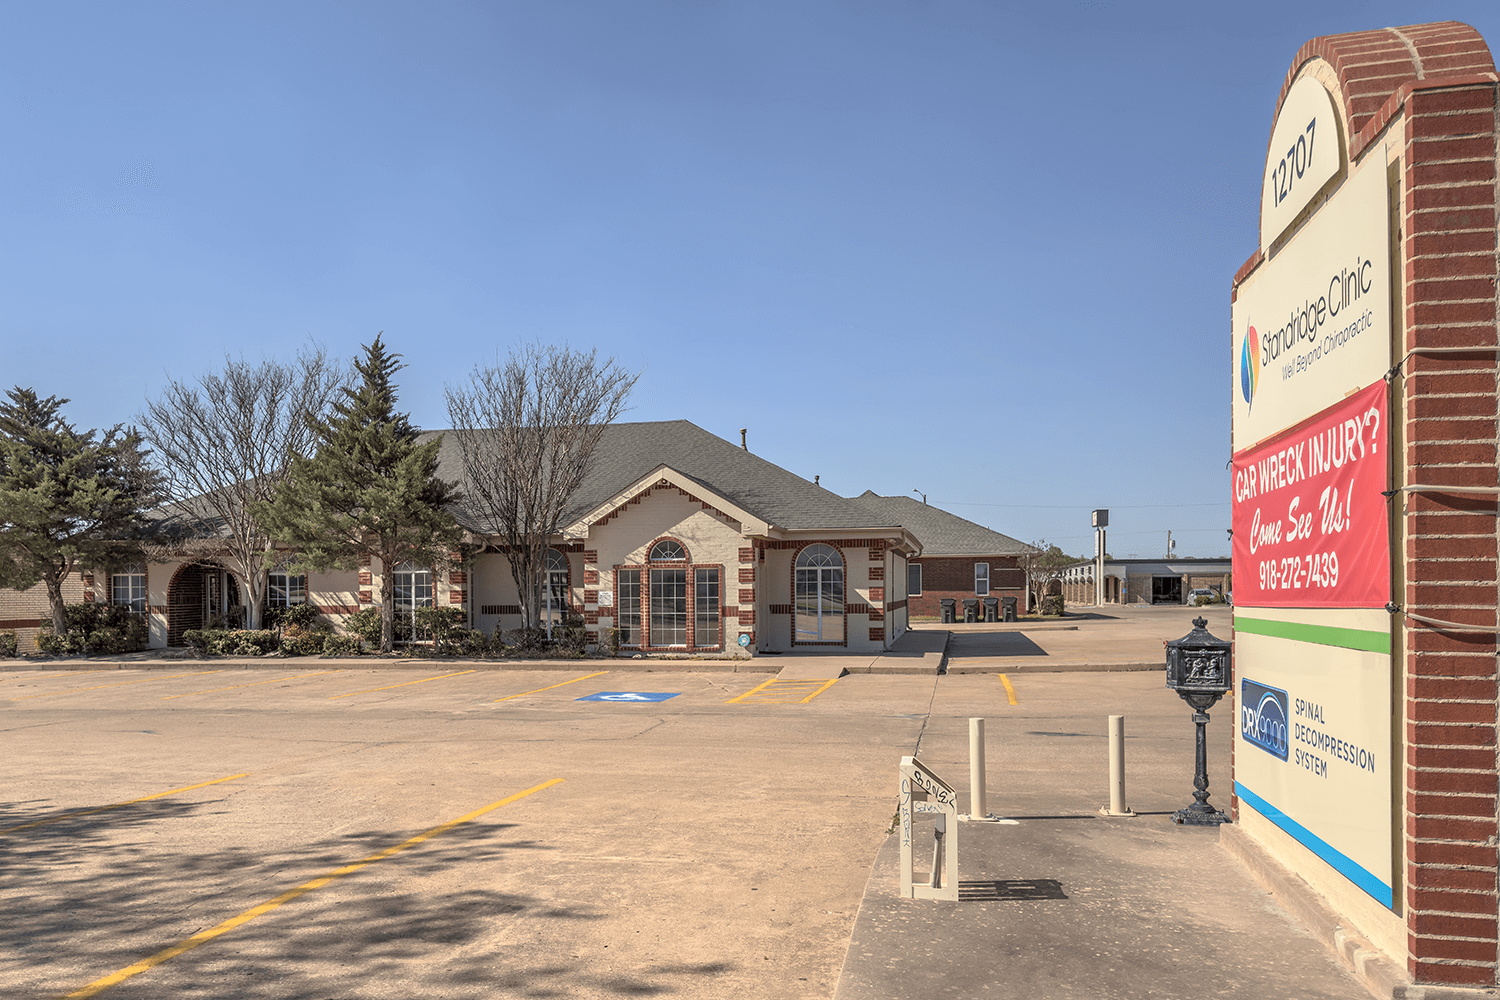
456 596
364 560
856 609
591 556
332 609
591 596
877 595
747 616
877 634
22 622
747 574
457 578
686 552
780 609
877 572
747 554
499 609
364 597
365 579
747 595
662 484
590 578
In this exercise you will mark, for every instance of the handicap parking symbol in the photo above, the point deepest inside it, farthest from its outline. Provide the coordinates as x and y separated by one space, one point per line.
630 696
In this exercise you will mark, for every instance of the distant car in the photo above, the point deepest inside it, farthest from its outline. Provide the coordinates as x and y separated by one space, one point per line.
1200 596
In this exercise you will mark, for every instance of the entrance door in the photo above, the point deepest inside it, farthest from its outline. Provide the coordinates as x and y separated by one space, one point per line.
819 595
1166 590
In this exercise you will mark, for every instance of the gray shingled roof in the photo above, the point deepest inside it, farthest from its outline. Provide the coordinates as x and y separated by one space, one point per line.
629 451
941 533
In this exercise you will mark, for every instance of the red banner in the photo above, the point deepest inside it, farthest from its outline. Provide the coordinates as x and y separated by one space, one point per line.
1310 523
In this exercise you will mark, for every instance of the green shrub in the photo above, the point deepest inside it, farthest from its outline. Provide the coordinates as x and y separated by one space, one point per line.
232 642
341 645
303 615
10 646
365 623
305 640
528 641
1052 604
95 630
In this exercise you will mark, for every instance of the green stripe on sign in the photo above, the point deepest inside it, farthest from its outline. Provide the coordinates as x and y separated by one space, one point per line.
1323 635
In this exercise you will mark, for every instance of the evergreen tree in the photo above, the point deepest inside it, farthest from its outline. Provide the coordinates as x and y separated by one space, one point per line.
370 489
68 500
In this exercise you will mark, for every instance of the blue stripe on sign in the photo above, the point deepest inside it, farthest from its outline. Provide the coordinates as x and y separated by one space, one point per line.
1345 865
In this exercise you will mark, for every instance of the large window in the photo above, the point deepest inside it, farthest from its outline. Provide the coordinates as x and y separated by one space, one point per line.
628 607
981 579
412 586
555 588
819 595
913 579
128 587
285 589
669 607
706 613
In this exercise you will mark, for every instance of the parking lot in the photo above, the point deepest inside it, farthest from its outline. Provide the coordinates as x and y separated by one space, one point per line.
316 833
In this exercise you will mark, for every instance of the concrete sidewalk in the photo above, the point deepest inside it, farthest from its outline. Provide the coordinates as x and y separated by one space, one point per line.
1067 903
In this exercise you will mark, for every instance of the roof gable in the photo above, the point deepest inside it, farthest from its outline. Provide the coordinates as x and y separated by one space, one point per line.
942 533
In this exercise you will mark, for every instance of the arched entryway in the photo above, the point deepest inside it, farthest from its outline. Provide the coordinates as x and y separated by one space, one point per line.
199 596
819 593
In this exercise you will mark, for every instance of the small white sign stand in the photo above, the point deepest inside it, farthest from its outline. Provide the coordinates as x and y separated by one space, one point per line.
922 791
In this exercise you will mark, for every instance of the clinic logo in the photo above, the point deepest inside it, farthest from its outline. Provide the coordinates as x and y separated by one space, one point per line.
1263 717
1249 366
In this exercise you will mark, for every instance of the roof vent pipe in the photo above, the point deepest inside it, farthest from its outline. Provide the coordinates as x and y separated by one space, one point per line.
815 479
742 438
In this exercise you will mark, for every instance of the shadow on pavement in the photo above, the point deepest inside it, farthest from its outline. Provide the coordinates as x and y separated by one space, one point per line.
89 896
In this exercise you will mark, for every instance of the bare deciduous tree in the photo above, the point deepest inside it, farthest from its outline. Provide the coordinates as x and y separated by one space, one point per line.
526 434
225 442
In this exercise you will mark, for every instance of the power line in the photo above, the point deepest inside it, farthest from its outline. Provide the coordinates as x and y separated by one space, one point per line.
1042 506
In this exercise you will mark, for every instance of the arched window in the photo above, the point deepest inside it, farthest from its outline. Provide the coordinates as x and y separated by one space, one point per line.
819 595
667 550
412 587
555 588
669 595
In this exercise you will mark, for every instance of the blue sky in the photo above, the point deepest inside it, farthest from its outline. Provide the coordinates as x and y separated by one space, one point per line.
979 249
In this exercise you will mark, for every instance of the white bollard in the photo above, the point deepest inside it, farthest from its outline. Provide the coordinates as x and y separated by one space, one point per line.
979 811
1117 806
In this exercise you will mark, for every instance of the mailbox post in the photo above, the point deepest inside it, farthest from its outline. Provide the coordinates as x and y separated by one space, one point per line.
1198 670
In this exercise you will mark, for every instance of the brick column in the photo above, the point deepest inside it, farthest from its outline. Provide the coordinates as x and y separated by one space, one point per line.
1448 401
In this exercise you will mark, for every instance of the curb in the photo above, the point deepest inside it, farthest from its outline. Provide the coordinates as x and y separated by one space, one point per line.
1372 967
1040 665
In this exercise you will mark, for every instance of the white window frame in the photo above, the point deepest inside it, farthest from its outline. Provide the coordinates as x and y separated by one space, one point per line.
280 595
981 580
131 581
909 568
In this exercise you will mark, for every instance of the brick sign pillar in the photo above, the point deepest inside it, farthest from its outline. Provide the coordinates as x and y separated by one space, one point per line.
1418 105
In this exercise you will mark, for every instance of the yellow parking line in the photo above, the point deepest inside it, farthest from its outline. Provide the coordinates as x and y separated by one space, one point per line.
96 687
1010 692
789 687
320 673
117 805
403 684
549 687
203 937
755 690
29 674
819 691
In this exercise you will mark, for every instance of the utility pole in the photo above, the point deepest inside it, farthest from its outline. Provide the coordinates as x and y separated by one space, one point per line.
1171 545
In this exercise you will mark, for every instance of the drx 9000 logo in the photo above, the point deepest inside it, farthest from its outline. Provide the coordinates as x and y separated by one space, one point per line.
1263 717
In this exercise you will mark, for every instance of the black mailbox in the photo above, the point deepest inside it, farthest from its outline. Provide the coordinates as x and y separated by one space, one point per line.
991 609
1198 667
1008 609
971 609
1198 670
948 604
